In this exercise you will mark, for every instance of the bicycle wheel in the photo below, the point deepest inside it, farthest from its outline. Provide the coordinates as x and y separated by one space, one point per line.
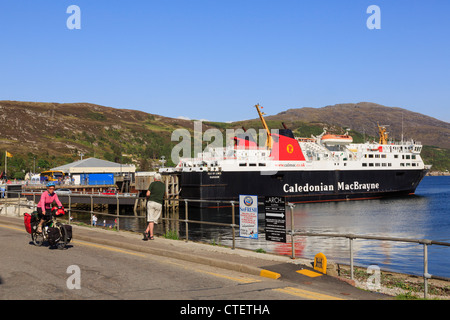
38 238
62 243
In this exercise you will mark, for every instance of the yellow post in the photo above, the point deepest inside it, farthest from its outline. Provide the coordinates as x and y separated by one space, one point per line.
320 263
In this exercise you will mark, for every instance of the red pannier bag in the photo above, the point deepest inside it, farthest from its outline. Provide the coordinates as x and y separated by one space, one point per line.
27 222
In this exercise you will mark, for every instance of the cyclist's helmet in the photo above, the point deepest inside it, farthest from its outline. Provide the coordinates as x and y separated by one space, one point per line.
51 184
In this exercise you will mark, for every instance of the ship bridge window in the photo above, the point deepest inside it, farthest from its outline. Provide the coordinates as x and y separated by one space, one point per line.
252 164
413 157
242 164
262 164
383 156
370 155
364 164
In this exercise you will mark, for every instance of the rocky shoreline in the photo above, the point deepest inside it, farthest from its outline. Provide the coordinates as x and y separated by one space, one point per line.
401 285
438 173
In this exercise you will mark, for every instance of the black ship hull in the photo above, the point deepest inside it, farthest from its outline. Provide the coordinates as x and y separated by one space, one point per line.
300 186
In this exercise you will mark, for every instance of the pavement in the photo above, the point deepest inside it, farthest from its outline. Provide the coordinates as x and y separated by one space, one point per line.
272 266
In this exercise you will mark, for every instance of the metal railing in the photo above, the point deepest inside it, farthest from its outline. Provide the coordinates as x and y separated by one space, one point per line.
352 237
233 226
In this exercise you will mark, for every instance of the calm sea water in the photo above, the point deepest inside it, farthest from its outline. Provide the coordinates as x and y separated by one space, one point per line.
425 215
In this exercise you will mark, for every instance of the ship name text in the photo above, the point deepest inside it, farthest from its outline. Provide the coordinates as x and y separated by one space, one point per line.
287 188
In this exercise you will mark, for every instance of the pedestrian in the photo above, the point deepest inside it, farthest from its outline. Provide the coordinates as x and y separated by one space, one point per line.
155 196
94 220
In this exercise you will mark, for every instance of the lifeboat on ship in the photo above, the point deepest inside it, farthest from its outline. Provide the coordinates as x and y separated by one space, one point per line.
336 139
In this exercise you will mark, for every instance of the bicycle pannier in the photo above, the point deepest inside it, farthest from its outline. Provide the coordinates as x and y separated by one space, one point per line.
27 222
34 220
53 235
68 231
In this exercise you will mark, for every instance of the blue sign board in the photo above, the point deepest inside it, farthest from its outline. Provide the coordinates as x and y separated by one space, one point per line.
248 216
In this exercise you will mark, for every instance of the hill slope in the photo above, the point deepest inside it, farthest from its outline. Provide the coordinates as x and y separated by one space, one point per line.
56 133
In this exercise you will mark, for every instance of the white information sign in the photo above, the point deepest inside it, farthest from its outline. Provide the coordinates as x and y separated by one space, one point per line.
248 216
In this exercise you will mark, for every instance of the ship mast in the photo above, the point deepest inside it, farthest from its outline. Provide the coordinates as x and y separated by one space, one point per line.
269 137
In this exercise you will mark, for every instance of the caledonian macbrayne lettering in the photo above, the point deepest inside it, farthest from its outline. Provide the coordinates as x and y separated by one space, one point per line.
329 187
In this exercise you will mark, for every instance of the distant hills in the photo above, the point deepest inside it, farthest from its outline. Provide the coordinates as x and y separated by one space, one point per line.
46 135
364 116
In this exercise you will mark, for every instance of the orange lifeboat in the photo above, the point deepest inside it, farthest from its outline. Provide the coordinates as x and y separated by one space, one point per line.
335 139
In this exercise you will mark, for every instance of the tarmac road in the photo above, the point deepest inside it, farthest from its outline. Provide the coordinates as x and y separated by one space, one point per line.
109 265
30 272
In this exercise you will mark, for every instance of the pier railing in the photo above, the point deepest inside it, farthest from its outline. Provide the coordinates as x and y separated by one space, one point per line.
9 198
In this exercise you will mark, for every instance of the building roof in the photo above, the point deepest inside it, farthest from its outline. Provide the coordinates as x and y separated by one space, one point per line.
94 165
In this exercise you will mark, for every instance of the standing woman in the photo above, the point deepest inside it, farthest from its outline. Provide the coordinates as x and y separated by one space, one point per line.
44 205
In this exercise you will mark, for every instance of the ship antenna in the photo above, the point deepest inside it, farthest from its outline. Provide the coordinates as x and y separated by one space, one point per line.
402 127
269 137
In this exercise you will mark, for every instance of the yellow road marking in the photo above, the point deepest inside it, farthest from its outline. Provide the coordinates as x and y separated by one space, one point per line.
13 228
109 248
269 274
306 294
309 273
242 280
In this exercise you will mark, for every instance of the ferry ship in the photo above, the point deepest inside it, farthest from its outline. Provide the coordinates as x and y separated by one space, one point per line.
327 167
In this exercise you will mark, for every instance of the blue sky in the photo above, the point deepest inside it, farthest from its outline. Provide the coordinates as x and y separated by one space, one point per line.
215 59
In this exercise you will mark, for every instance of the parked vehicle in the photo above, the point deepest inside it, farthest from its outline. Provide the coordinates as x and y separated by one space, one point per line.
110 191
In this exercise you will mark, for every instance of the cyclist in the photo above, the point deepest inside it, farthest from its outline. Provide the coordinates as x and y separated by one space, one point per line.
44 205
